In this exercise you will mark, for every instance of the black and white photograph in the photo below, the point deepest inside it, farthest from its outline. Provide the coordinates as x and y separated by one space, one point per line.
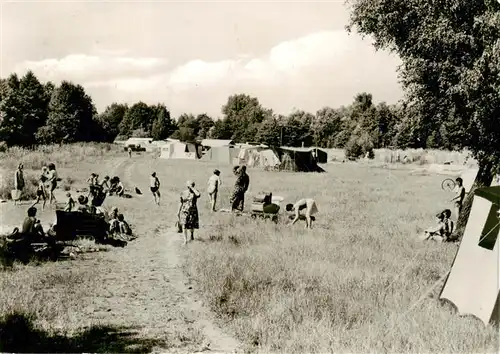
249 176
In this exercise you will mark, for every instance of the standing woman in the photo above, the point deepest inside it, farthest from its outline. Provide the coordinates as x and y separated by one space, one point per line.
52 182
240 188
188 211
19 181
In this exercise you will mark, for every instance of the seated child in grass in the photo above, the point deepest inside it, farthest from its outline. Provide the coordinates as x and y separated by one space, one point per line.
443 230
123 225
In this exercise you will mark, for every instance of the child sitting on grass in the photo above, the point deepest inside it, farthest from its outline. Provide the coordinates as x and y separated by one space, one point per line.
123 225
443 230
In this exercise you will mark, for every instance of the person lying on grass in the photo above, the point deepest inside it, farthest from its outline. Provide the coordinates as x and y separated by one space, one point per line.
443 230
310 207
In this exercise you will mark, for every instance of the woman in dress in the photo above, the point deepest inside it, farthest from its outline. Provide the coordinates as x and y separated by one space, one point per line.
188 211
240 188
19 181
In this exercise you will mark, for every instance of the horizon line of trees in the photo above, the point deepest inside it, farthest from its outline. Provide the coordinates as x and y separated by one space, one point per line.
32 113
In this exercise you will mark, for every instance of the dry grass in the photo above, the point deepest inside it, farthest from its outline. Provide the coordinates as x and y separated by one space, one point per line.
66 158
344 286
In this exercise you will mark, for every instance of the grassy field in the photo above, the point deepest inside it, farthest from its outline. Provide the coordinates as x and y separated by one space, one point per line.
344 286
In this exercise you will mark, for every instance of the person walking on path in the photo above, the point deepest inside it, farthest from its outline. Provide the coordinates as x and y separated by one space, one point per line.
19 183
214 184
188 210
129 150
154 184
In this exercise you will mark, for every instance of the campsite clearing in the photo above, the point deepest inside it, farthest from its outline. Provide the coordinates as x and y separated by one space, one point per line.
343 287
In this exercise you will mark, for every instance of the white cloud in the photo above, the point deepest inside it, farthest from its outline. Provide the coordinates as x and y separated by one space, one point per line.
323 68
85 67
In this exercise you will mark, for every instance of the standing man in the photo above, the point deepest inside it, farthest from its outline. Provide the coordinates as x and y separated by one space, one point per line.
154 184
459 197
214 184
129 150
19 182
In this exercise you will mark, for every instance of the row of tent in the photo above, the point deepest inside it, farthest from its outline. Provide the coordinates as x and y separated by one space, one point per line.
259 156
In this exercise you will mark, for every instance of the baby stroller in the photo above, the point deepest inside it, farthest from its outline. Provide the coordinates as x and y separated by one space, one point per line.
263 207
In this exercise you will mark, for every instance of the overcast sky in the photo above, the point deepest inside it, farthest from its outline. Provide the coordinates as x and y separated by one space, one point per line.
193 55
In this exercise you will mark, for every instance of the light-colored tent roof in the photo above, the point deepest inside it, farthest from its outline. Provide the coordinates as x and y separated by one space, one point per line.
473 284
216 142
141 139
308 149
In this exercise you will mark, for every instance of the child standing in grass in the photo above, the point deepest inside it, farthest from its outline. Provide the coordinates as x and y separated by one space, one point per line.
214 183
70 204
41 192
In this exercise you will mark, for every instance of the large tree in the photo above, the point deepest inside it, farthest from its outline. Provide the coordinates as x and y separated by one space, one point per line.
451 70
138 116
11 118
163 125
111 118
71 116
34 100
325 127
243 114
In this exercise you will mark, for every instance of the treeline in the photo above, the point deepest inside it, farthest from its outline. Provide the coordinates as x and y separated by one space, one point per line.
33 112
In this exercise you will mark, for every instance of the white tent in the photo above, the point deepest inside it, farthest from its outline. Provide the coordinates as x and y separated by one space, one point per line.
473 284
178 150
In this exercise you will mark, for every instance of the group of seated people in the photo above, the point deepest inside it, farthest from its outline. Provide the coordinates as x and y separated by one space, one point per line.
108 186
116 221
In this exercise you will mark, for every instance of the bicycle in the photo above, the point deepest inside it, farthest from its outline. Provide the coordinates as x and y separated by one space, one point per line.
448 184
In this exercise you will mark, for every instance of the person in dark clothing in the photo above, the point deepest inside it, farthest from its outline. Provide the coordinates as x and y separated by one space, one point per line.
240 188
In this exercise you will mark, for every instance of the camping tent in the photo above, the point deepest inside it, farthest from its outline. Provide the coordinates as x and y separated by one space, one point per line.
221 154
216 143
180 150
473 284
298 160
321 156
257 156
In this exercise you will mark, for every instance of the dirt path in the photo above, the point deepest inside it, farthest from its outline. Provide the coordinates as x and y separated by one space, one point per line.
143 285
